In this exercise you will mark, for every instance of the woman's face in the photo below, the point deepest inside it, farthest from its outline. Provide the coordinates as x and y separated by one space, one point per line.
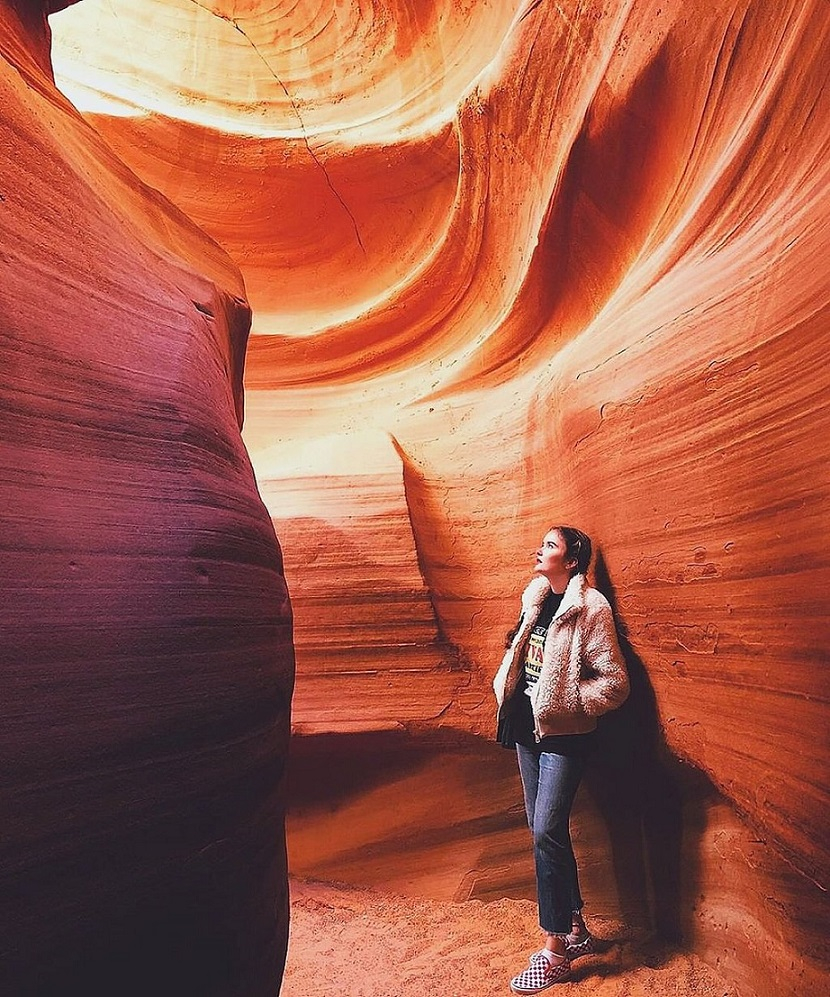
551 557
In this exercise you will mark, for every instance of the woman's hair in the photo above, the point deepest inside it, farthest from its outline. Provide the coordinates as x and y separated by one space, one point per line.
577 546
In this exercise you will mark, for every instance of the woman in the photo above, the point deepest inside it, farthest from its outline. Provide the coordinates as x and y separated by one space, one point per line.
561 670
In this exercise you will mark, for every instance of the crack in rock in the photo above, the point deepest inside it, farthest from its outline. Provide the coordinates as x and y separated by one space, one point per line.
235 24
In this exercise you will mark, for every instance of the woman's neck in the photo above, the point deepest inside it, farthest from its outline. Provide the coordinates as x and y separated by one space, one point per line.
559 584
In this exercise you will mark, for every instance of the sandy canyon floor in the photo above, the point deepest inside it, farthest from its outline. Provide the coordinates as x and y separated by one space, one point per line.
353 942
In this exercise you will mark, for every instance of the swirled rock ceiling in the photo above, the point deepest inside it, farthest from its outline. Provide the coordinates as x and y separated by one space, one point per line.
513 263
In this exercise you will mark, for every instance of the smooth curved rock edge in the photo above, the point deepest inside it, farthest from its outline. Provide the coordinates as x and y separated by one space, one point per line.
146 654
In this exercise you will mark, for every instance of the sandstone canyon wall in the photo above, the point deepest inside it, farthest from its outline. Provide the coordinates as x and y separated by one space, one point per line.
514 263
146 650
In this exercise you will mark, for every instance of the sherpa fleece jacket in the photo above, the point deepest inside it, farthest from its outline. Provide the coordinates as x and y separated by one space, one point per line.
583 673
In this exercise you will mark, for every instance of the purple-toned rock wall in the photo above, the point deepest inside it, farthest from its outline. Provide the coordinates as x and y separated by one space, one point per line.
146 650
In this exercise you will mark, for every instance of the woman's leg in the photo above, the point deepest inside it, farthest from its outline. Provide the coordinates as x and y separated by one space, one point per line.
549 783
529 772
557 879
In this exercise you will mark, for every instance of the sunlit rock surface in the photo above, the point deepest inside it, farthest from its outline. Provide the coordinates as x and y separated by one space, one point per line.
146 649
571 258
364 614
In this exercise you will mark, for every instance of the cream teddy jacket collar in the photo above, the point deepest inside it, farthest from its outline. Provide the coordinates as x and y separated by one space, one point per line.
573 598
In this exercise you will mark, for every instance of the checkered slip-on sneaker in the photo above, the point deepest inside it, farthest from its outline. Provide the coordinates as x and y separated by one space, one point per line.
540 975
577 945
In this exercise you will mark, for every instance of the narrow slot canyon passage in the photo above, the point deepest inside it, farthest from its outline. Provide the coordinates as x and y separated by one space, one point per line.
314 318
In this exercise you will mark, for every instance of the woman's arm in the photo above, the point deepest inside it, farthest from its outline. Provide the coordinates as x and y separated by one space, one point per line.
606 686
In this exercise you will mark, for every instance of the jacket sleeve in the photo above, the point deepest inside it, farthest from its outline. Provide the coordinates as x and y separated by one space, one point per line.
500 679
606 685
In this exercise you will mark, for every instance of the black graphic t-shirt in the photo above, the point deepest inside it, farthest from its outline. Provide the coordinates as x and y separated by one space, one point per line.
516 721
535 650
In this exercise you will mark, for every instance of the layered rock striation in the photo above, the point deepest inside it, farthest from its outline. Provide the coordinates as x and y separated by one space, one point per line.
147 659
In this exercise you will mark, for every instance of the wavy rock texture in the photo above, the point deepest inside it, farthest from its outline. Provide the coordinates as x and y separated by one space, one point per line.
571 258
146 653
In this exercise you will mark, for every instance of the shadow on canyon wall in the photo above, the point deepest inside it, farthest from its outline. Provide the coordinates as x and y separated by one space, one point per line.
643 794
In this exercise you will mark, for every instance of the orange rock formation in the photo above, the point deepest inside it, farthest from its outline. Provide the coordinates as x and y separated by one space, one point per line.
514 263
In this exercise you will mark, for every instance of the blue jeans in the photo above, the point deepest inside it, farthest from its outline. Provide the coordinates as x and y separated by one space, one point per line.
550 782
